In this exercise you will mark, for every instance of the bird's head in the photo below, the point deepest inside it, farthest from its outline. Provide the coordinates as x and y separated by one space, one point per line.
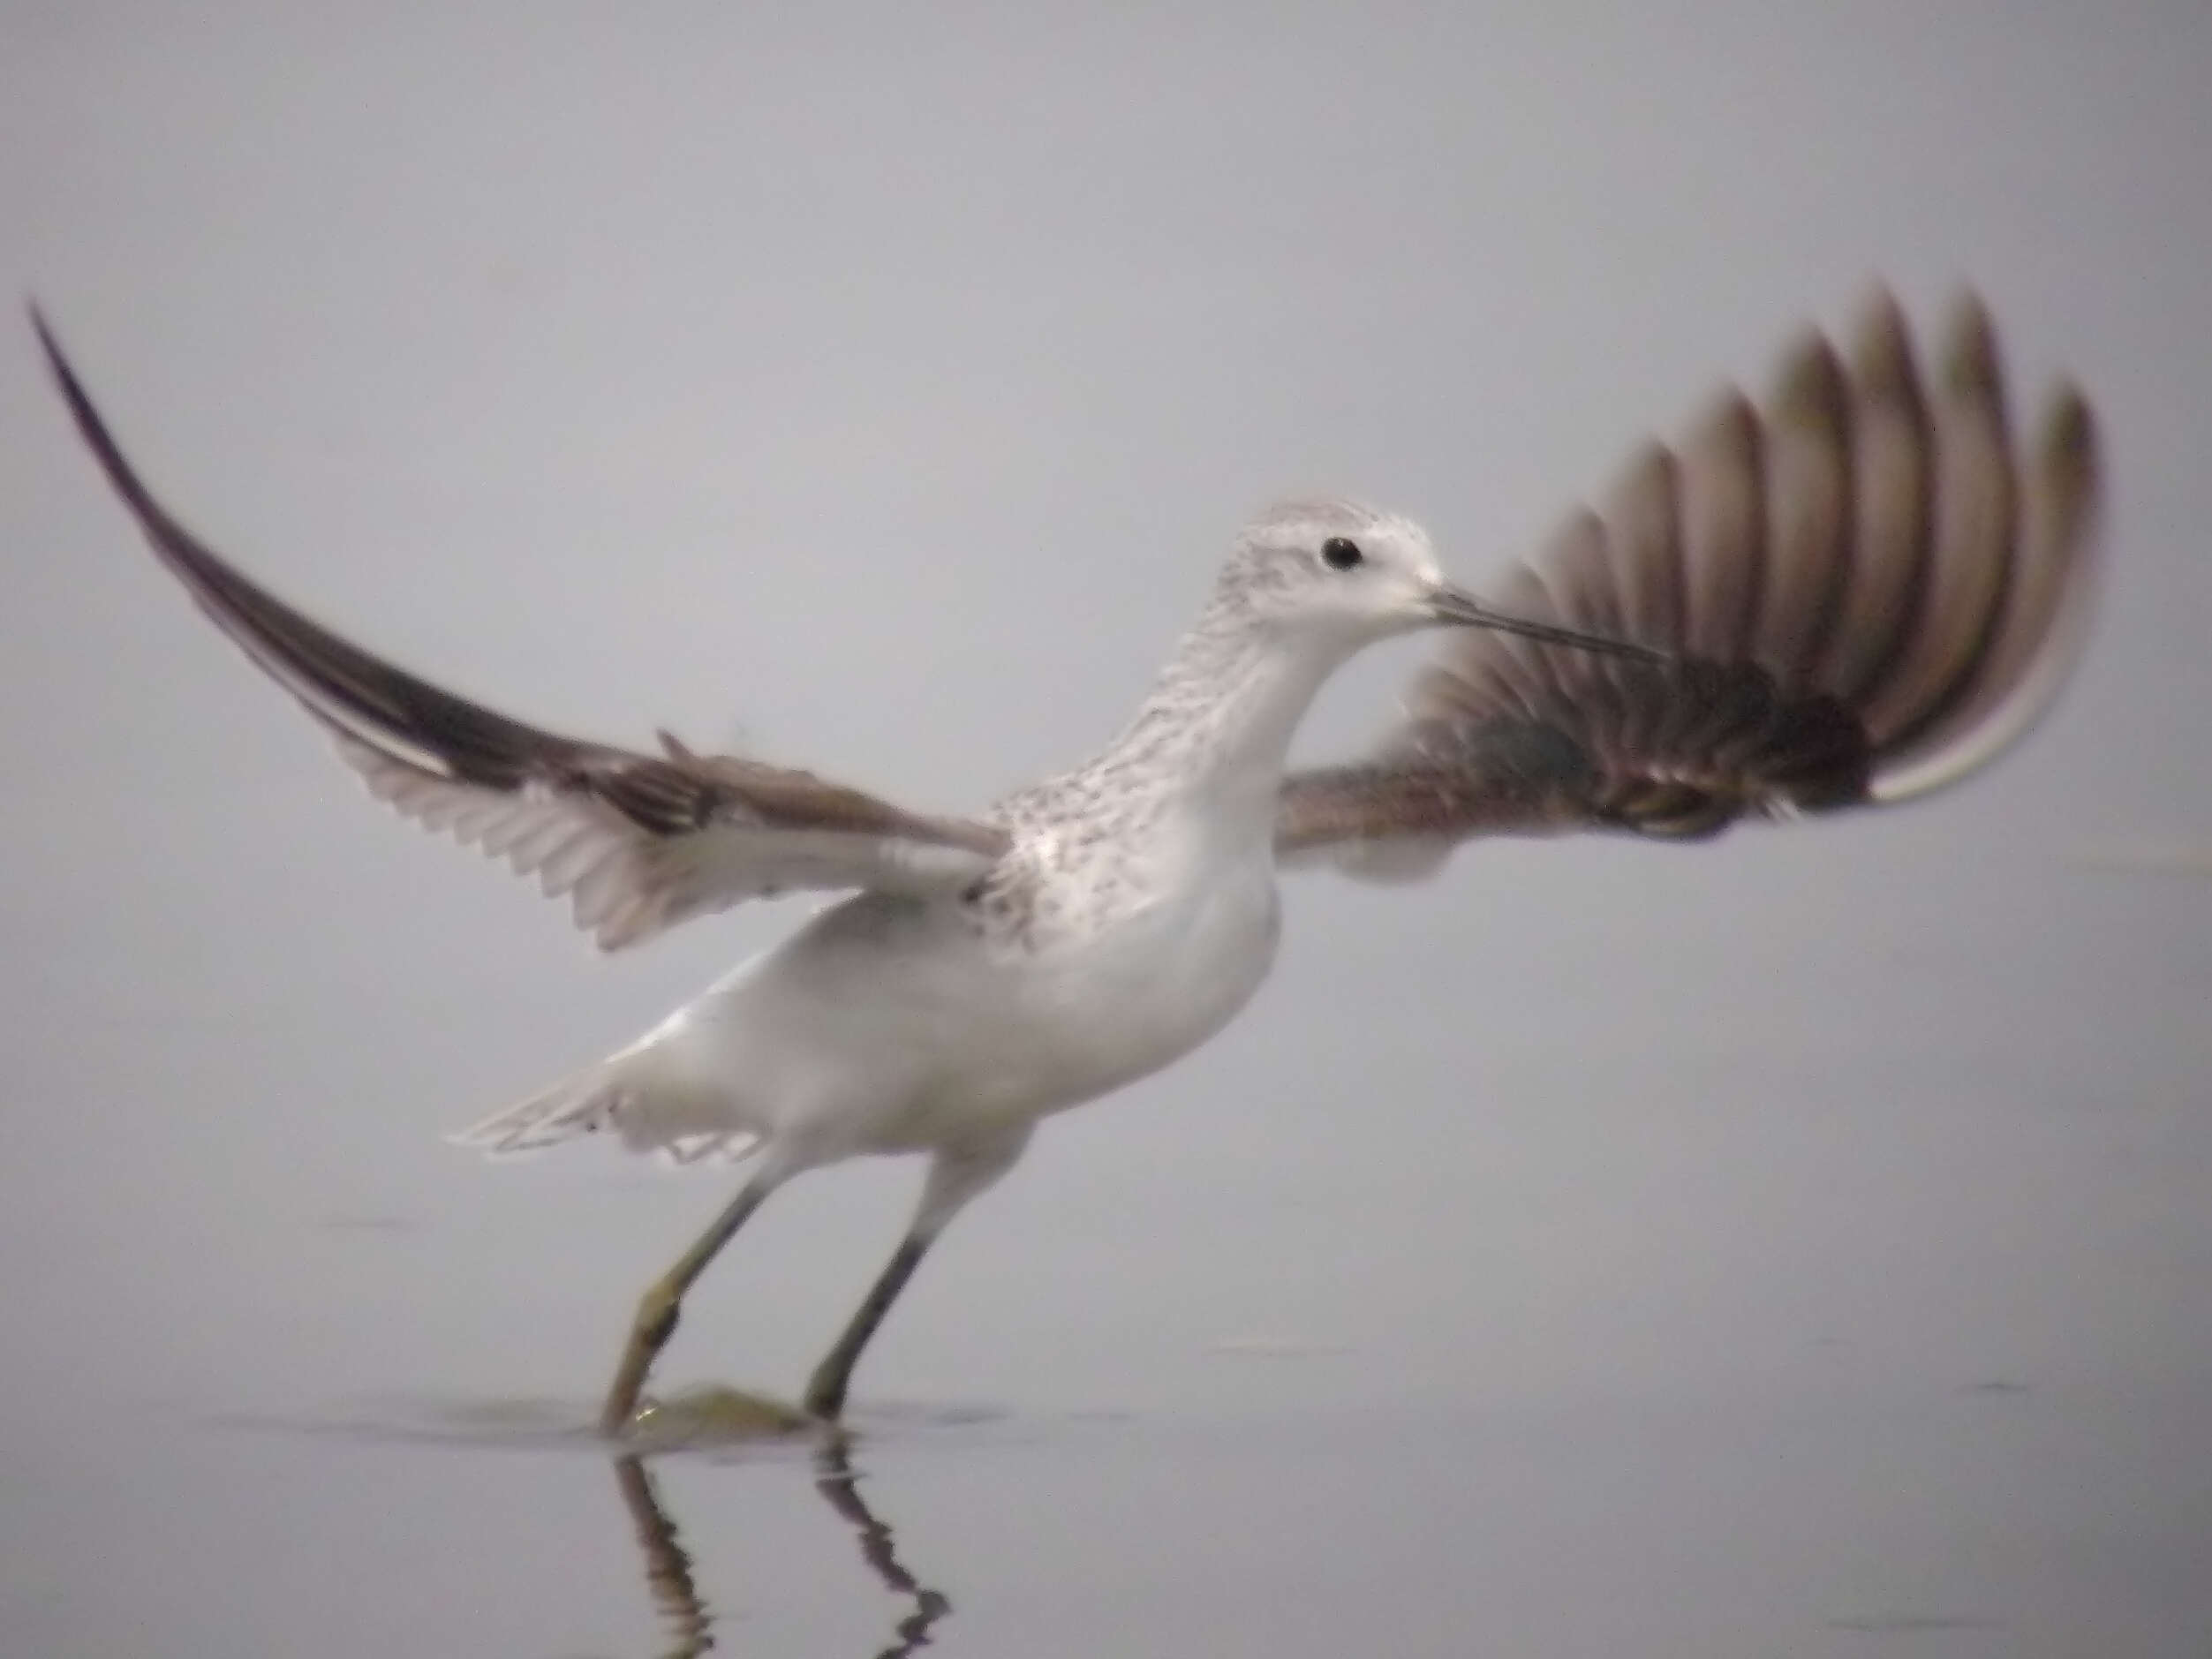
1344 576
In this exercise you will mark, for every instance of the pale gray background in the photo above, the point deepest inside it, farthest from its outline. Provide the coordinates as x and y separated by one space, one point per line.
1797 1246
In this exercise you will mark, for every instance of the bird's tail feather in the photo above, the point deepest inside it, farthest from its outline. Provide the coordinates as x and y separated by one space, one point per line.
582 1103
615 1094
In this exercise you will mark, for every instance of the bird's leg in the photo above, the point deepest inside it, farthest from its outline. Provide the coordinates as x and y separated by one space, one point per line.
956 1175
659 1308
825 1389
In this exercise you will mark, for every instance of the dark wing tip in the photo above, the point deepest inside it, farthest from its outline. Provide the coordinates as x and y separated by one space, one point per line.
36 313
1973 367
342 684
80 406
2070 434
94 430
1810 385
1881 358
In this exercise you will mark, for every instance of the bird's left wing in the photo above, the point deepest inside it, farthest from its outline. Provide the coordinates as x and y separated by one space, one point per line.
1864 591
637 842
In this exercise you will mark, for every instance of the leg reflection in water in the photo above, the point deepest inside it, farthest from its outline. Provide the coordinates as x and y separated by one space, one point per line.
834 1479
667 1564
674 1590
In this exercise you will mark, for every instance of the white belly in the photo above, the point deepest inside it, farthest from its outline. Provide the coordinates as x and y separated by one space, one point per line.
1106 1010
887 1026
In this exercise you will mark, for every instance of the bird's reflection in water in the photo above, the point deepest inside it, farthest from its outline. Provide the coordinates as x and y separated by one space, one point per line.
667 1564
835 1480
675 1589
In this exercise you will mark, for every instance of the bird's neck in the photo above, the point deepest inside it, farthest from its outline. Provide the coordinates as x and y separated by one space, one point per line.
1215 731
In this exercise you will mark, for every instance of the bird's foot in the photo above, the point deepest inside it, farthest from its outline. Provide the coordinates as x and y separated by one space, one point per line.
714 1414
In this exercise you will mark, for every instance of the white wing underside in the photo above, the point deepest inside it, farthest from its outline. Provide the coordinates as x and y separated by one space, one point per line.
635 841
622 886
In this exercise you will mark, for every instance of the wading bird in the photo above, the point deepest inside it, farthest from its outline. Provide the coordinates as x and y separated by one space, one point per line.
1857 595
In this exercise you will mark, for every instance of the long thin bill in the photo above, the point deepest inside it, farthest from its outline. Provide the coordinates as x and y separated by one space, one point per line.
1464 610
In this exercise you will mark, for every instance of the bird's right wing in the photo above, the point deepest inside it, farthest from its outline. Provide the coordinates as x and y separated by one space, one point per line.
637 842
1865 592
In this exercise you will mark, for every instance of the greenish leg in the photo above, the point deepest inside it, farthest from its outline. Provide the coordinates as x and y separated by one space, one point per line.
659 1308
825 1389
956 1175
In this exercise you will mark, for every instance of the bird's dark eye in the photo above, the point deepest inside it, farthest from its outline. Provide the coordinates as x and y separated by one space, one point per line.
1339 553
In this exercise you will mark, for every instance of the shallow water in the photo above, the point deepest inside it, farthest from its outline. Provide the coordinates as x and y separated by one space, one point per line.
1838 1523
1847 1297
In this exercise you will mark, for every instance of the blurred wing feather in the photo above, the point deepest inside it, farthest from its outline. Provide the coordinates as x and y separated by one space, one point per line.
1866 590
